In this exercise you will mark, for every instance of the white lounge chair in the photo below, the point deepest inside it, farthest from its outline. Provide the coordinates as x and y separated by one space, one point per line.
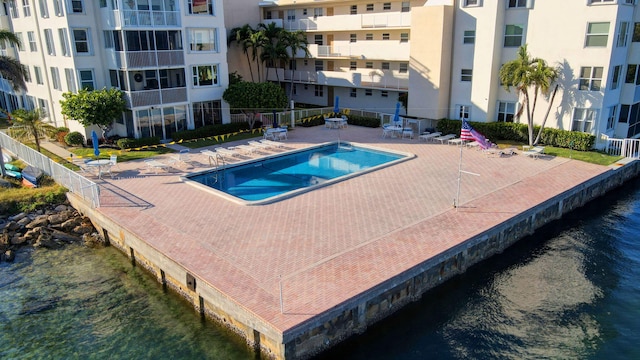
259 145
226 153
156 165
534 152
272 143
246 149
444 138
429 136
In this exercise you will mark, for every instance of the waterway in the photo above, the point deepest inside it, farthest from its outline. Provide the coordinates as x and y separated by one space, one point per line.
570 291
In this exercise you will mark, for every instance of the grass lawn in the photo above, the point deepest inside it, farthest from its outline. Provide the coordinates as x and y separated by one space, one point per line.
204 142
594 157
123 155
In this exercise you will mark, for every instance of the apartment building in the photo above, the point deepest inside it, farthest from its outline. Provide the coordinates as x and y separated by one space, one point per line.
446 54
168 56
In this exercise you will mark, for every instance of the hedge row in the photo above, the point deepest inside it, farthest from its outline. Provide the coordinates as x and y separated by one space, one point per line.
519 132
127 143
318 120
212 130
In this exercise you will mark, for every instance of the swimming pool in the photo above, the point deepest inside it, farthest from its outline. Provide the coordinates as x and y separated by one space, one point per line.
280 176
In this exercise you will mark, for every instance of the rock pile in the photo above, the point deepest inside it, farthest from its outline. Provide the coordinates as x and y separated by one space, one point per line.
51 229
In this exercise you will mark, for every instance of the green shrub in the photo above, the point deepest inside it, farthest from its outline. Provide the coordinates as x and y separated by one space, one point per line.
495 131
74 139
318 120
212 130
128 143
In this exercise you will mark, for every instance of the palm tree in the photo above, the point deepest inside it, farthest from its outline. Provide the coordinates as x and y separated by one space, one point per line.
295 41
530 77
10 68
269 44
242 37
29 126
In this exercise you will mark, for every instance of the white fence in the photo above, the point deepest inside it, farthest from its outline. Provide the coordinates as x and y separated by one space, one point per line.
76 183
623 147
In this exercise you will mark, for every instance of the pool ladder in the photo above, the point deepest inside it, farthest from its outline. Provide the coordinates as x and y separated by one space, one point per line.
216 161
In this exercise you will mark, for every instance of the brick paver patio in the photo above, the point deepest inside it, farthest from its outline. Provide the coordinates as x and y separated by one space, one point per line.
330 244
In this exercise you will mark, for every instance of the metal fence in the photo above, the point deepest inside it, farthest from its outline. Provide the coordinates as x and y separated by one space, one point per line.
76 183
629 148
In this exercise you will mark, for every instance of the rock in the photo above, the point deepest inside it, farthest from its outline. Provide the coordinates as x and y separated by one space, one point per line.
92 239
9 255
17 216
70 224
62 236
45 241
24 221
84 229
39 221
5 184
4 239
58 218
12 226
61 208
18 240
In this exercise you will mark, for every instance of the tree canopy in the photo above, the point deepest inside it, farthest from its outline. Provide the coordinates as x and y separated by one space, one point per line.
252 98
11 69
94 107
28 125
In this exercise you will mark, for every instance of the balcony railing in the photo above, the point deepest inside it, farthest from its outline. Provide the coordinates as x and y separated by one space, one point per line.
378 49
348 22
146 18
137 59
366 78
155 97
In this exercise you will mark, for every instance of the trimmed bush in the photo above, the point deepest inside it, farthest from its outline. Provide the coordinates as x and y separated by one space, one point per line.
212 130
74 139
519 132
60 133
128 143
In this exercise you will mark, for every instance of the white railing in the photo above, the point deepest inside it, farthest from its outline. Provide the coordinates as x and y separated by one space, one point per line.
74 182
629 148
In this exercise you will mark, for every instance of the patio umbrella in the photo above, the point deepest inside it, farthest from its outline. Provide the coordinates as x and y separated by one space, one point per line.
94 140
396 115
336 105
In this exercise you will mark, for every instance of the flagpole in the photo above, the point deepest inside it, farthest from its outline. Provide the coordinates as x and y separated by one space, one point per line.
455 201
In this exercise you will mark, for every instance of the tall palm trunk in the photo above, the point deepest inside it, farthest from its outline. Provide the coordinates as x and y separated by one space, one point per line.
546 115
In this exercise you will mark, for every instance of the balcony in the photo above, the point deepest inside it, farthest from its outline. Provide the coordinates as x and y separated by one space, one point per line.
155 97
348 22
142 59
144 18
367 49
364 78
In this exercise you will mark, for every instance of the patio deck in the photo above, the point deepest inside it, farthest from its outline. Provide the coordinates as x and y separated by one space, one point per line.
322 248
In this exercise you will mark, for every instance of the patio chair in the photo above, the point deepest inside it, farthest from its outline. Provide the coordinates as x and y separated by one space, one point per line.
344 123
508 151
114 161
82 164
155 165
407 132
534 152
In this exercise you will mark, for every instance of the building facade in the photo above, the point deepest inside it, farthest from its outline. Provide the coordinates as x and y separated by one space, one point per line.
447 54
168 56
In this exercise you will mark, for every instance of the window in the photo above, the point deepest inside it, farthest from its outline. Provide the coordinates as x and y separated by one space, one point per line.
615 77
386 6
58 8
291 15
403 68
583 120
466 74
319 65
352 66
633 75
368 36
506 111
26 8
601 1
636 32
469 37
318 91
103 3
38 72
21 39
624 114
385 65
611 119
71 80
202 40
463 111
471 3
622 34
513 35
304 11
13 9
86 79
42 105
353 93
385 36
384 93
406 6
353 38
48 38
354 10
205 75
368 65
597 34
27 74
64 42
368 92
44 9
32 41
206 113
404 37
77 7
108 39
517 3
317 12
590 78
55 78
200 7
81 40
317 39
369 7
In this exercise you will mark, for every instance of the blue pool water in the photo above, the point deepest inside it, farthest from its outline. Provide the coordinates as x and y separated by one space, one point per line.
277 177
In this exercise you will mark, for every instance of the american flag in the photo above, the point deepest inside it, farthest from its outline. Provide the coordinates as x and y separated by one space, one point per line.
467 133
